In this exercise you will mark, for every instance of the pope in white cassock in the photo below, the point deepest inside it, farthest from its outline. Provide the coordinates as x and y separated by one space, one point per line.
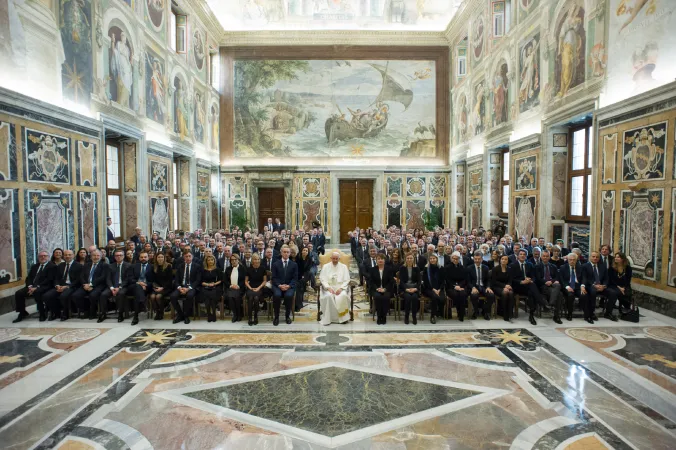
335 303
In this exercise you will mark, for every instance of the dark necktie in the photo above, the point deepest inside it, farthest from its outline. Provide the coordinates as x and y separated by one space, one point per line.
572 277
39 270
143 273
547 277
91 273
478 274
119 275
373 262
523 269
285 263
186 275
597 280
65 272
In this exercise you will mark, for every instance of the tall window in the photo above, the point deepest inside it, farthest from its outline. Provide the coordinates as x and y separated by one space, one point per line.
505 182
175 190
113 186
498 19
580 172
179 31
215 64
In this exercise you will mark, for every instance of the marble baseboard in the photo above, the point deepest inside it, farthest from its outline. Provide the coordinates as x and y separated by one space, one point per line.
654 303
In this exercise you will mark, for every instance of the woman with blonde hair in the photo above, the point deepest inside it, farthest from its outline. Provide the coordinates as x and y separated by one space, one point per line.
210 291
162 281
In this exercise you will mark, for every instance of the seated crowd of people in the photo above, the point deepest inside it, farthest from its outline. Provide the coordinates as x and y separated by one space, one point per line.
185 269
450 268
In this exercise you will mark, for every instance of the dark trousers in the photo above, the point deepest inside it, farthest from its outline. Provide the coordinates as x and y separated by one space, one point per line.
459 299
140 295
555 296
94 295
570 300
531 292
488 302
120 301
253 302
506 304
614 294
188 300
234 298
20 299
382 303
277 296
58 301
411 302
435 301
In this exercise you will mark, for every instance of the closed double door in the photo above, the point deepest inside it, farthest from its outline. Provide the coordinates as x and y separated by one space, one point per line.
356 206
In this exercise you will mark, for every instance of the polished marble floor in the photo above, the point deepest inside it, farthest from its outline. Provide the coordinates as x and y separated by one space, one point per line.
472 385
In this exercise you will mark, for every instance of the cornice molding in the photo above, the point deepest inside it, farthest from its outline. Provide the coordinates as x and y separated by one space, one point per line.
333 37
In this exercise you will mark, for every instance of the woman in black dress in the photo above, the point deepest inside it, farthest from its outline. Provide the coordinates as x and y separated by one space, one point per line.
233 287
210 291
433 286
162 282
255 280
620 280
494 261
501 284
57 256
304 262
456 284
396 261
382 287
556 257
409 286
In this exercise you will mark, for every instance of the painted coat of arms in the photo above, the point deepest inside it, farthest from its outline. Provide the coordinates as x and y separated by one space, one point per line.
47 157
526 173
158 176
644 153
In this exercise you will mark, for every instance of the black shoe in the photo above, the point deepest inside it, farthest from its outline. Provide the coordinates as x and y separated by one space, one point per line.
64 317
532 321
589 320
406 320
120 318
51 317
610 317
546 309
134 321
20 317
43 316
486 316
569 317
593 317
557 319
255 321
433 319
250 322
275 321
186 321
178 319
461 318
92 316
474 316
288 320
158 315
234 319
102 317
415 320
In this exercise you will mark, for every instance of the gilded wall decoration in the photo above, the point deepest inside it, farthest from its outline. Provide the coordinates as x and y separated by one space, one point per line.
394 212
10 236
85 163
607 217
414 212
644 216
8 169
609 159
311 212
88 219
184 177
159 215
500 93
529 73
559 179
203 187
130 213
311 187
525 173
415 186
438 186
129 151
156 87
643 154
47 157
524 216
159 176
569 63
237 188
310 201
49 222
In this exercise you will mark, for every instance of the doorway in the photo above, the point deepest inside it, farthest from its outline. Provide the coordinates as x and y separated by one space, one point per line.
270 205
356 206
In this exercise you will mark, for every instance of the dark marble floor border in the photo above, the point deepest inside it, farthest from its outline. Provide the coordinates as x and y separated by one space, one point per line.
104 438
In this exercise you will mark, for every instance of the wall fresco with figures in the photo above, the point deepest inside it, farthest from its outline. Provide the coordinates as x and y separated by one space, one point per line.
116 58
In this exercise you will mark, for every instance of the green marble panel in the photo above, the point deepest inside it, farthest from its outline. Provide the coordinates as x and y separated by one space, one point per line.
331 401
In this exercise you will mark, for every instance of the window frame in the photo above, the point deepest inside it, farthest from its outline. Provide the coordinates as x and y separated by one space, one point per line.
501 16
585 172
115 192
214 57
503 182
174 194
179 27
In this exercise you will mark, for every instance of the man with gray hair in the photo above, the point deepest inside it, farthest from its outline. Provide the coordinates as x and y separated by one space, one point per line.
334 301
40 279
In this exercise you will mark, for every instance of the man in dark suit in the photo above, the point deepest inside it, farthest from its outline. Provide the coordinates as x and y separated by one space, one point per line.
66 282
606 257
564 250
39 281
142 279
369 262
268 260
219 254
479 285
93 281
535 259
109 229
119 280
361 253
570 277
513 258
278 225
354 243
186 282
319 241
284 277
547 280
595 282
523 277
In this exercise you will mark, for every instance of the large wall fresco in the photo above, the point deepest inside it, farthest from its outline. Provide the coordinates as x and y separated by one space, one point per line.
335 108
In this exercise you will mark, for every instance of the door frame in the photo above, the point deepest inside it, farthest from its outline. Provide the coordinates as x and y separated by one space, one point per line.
337 175
253 198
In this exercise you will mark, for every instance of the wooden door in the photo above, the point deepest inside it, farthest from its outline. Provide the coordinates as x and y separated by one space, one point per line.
356 206
270 205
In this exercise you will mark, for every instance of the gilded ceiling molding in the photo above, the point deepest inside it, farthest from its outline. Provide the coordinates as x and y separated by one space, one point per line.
333 37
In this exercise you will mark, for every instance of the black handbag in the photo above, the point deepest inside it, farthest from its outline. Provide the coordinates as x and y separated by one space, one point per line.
631 316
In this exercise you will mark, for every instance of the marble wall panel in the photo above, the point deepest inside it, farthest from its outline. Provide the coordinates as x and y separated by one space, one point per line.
644 216
644 153
130 213
609 158
311 211
85 163
475 213
607 217
10 236
203 182
525 173
184 178
202 214
671 278
184 219
460 193
159 176
475 182
311 196
438 186
159 215
88 219
393 186
438 212
47 157
524 216
416 186
559 175
394 212
129 155
8 156
49 222
414 212
496 185
581 235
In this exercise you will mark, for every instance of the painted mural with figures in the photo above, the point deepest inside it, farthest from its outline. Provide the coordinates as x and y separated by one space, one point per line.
335 108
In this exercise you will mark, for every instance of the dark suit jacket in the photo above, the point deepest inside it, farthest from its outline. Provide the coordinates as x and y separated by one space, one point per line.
100 278
455 276
44 280
366 266
564 276
277 226
75 273
319 241
241 276
403 277
420 261
472 276
428 284
136 273
127 275
540 273
361 254
111 236
517 274
353 245
588 274
278 276
387 280
195 275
